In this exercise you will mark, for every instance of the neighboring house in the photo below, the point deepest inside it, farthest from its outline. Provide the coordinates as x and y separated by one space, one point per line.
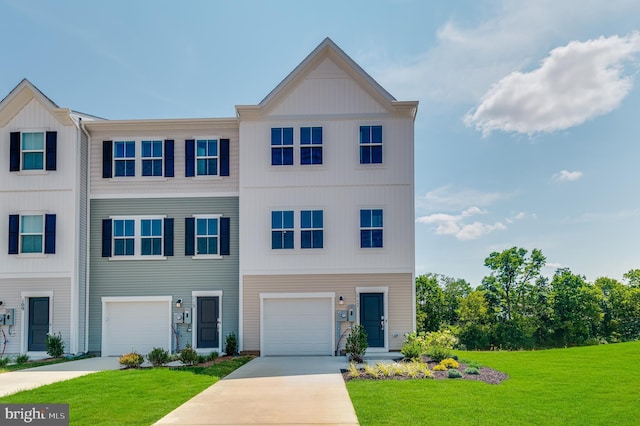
164 234
43 200
326 211
285 225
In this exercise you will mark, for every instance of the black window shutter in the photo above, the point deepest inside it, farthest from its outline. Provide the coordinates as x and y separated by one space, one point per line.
14 233
50 233
168 236
190 158
189 236
224 157
107 159
168 158
224 236
14 152
106 238
51 150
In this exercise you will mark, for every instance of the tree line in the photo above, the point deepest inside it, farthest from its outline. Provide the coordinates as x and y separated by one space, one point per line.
516 307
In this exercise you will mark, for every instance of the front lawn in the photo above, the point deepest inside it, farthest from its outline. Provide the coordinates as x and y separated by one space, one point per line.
575 386
131 397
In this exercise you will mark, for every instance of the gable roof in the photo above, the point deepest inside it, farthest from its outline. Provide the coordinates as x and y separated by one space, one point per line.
21 95
329 49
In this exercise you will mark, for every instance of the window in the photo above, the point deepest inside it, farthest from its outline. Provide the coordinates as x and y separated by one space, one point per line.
32 147
32 151
282 229
311 145
371 228
370 144
137 237
207 157
124 158
282 146
207 235
32 233
311 229
152 158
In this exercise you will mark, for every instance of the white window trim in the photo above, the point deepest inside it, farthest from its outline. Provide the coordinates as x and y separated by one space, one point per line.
43 170
137 159
360 228
41 254
137 243
195 236
194 320
272 229
312 229
140 158
385 301
195 156
24 341
311 145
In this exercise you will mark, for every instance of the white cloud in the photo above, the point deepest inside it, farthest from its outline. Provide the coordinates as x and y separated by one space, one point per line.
567 176
575 83
450 199
448 224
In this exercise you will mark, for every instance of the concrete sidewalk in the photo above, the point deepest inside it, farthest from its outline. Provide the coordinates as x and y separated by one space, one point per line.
273 391
31 378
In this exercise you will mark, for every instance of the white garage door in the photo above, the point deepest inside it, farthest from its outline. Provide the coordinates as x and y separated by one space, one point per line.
136 325
297 326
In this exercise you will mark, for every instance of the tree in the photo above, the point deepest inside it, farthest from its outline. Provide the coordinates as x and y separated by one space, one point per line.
475 321
633 277
429 303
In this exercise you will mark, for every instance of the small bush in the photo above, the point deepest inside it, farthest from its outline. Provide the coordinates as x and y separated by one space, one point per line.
450 363
454 373
131 360
188 355
440 367
22 359
474 364
4 361
353 370
158 357
356 344
231 344
472 370
412 348
212 356
55 345
371 371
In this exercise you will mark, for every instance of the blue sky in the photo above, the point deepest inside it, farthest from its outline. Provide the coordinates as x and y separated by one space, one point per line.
528 127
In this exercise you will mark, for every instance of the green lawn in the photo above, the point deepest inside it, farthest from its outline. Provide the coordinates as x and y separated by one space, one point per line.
127 397
576 386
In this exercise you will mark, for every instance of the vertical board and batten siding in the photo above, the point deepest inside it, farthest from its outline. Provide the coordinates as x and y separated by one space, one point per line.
176 276
163 186
12 289
400 287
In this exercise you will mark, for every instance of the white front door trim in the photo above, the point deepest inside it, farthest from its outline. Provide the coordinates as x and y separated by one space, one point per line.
194 319
385 300
24 320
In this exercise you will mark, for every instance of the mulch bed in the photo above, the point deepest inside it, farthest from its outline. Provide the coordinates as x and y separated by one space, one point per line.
487 375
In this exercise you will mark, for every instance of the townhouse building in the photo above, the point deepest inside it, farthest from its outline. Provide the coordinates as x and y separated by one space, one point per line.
285 225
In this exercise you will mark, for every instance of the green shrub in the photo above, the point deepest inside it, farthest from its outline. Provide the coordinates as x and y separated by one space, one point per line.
450 363
131 360
454 373
22 359
353 370
212 356
413 346
472 370
440 344
55 345
231 344
158 357
188 355
356 344
440 367
4 361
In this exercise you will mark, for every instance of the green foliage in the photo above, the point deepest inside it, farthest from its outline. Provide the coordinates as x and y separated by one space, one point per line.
188 355
55 345
414 346
450 363
437 300
472 370
454 373
22 359
231 344
353 370
158 357
212 356
356 344
131 360
4 361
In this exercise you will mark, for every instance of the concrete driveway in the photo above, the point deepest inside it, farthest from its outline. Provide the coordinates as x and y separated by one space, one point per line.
273 391
31 378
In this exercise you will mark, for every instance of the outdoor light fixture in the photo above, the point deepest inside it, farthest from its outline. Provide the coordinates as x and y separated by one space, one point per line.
341 300
178 303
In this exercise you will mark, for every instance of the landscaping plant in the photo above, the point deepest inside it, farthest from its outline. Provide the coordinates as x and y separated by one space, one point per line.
188 355
158 357
356 344
131 360
231 344
22 359
55 345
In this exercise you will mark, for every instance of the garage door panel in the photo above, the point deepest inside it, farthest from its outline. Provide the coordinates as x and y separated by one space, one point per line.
136 326
297 326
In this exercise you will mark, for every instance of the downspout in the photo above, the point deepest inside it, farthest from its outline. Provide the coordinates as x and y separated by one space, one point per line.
86 281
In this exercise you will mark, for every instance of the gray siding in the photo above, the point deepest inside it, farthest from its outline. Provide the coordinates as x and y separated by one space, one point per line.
176 276
83 243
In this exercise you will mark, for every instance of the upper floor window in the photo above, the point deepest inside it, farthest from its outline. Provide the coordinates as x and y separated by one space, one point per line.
124 158
371 227
311 145
152 158
370 144
206 157
282 229
137 237
311 229
33 151
282 146
207 236
32 233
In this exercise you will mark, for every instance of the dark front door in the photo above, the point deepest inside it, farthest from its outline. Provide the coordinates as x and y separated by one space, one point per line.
38 324
372 318
208 309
